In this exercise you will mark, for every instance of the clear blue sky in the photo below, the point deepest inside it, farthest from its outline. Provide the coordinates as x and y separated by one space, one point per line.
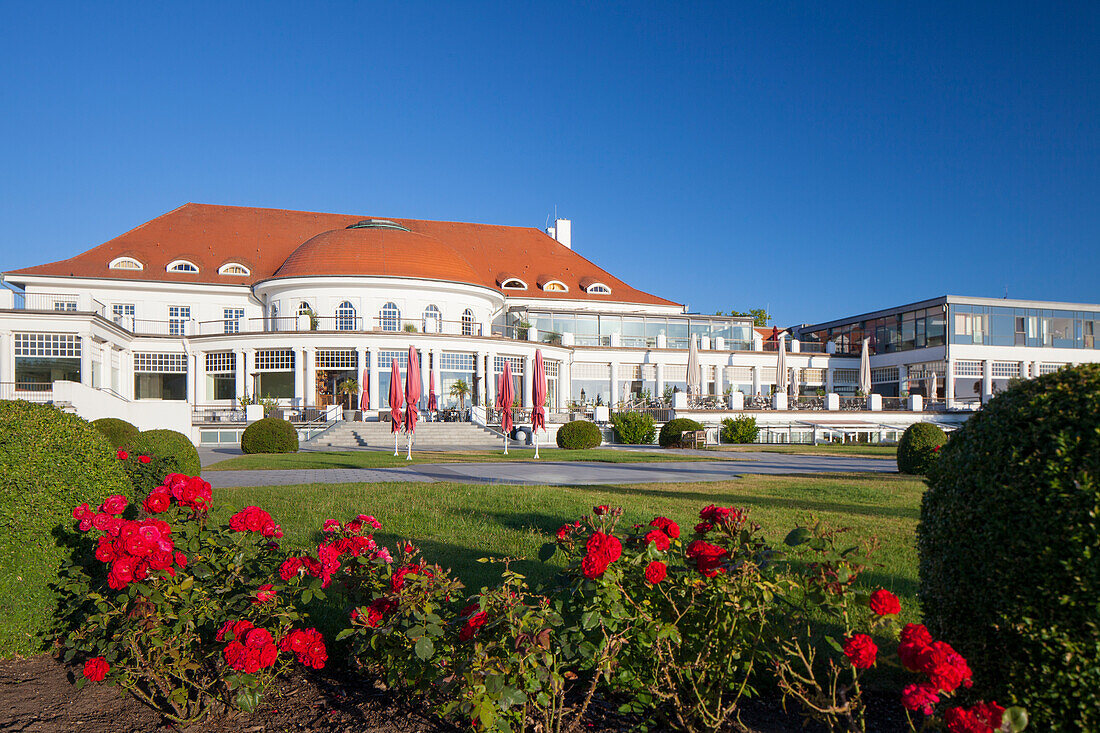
822 158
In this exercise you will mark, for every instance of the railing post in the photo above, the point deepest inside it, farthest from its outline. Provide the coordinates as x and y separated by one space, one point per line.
874 402
832 401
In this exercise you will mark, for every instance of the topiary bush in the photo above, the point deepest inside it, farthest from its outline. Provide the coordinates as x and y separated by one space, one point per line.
1009 546
918 448
670 431
49 462
119 432
174 451
578 435
270 435
634 428
741 430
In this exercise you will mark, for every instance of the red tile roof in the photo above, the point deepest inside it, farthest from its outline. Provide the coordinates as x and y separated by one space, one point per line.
282 243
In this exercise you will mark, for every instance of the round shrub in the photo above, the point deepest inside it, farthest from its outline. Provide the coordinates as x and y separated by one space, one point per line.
917 448
1009 547
741 430
578 435
119 432
270 435
670 431
50 462
634 428
175 451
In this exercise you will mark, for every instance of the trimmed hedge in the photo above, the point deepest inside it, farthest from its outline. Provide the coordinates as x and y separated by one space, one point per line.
670 431
1009 547
917 448
741 430
176 452
119 432
50 461
634 428
270 435
578 435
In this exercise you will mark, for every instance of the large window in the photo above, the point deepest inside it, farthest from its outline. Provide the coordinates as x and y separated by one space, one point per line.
233 318
345 317
120 311
590 382
334 367
454 368
43 358
160 376
276 373
385 360
221 375
516 364
467 322
390 317
178 316
433 320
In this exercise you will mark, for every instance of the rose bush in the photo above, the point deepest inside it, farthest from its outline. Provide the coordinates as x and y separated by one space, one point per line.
181 613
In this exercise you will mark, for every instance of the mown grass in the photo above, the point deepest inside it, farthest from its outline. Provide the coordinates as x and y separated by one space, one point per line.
386 459
456 524
832 449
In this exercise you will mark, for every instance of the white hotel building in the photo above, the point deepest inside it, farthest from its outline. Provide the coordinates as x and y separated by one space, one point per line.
170 323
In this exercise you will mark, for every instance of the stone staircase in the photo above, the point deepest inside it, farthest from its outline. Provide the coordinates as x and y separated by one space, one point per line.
429 436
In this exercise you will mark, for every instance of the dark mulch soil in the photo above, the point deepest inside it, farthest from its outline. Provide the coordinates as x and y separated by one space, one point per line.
37 696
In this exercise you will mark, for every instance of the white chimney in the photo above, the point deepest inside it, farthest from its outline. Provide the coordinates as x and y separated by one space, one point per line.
562 231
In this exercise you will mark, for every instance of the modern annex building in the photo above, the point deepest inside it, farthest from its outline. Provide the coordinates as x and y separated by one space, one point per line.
169 324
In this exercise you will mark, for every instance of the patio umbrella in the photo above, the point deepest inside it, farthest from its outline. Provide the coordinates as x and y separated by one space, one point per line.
781 368
496 398
538 393
396 400
433 405
932 386
412 398
364 393
865 369
794 382
506 394
694 380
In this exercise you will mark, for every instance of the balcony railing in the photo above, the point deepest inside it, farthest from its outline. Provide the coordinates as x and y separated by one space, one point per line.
61 303
30 391
352 324
214 414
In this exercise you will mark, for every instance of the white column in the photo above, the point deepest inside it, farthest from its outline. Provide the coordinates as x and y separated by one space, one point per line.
828 379
490 378
1035 369
987 380
719 379
127 364
311 377
6 358
239 388
198 377
949 384
756 380
903 378
614 372
528 381
250 366
375 397
660 369
565 388
299 376
86 358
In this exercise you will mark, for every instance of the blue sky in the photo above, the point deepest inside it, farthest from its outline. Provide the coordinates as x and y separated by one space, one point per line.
824 159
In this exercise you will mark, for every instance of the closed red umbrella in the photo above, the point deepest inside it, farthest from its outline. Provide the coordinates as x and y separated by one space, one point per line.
432 404
364 392
396 400
506 395
412 394
538 389
496 399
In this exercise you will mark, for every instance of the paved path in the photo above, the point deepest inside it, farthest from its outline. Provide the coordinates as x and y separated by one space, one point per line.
561 473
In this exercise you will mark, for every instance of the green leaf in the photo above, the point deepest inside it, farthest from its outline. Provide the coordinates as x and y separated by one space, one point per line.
547 551
513 697
307 595
344 634
425 648
797 536
834 644
589 620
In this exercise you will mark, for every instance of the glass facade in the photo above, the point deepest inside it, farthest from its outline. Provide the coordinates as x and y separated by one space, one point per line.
915 329
639 331
1002 326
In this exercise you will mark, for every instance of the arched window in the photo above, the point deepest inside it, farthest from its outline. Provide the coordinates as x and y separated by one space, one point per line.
467 322
345 317
234 268
555 286
182 266
433 320
390 317
514 283
125 263
305 309
598 289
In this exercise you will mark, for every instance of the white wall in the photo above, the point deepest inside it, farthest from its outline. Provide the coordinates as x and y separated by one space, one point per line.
92 404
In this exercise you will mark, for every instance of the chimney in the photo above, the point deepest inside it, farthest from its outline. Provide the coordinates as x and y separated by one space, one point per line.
562 231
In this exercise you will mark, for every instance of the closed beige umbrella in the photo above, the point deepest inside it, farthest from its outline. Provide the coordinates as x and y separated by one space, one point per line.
781 368
865 369
694 379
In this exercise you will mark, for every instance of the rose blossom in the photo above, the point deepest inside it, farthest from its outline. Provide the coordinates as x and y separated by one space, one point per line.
707 557
96 668
157 502
912 641
144 459
263 594
658 538
667 526
655 572
602 550
600 510
945 667
920 697
122 455
885 603
860 650
473 625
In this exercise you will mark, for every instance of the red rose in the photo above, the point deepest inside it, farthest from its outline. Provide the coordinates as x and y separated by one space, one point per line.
331 525
655 572
96 668
885 603
82 511
860 650
563 532
472 626
144 459
602 549
945 667
600 510
263 594
122 455
658 538
290 568
913 640
114 504
121 572
707 557
718 515
157 502
920 697
703 527
181 560
308 645
667 526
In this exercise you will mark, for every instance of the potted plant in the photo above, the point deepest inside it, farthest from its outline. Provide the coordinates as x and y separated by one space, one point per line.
460 389
522 329
410 328
346 389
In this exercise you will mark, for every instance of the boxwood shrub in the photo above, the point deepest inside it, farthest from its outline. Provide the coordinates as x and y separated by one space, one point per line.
634 428
1009 547
50 461
270 435
917 447
175 451
740 430
670 431
578 435
119 432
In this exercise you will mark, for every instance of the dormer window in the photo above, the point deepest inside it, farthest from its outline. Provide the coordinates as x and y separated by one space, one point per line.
182 266
555 286
232 268
125 263
514 284
598 289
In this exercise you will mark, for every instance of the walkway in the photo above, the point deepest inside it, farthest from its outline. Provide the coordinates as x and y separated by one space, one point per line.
561 473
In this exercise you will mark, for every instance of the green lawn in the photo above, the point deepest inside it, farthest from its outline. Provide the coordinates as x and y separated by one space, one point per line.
833 449
385 459
455 524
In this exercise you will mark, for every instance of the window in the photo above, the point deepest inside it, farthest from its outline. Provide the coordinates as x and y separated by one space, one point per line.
337 359
120 311
513 283
345 317
305 309
598 289
968 369
233 268
64 305
182 266
390 319
433 320
160 376
555 286
452 369
385 364
467 322
274 360
1005 369
276 377
125 263
178 316
221 375
233 318
43 358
